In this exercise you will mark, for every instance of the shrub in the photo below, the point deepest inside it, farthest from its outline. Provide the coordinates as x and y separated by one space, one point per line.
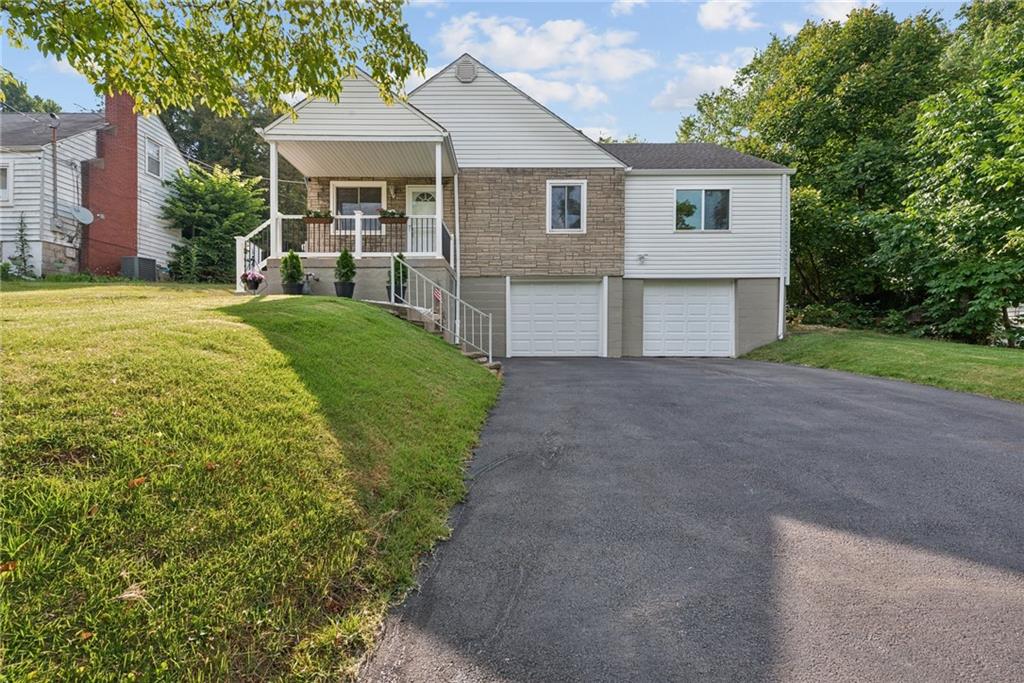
291 268
210 208
345 267
840 314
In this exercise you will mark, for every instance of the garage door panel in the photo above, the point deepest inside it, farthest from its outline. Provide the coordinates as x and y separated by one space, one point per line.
555 319
684 318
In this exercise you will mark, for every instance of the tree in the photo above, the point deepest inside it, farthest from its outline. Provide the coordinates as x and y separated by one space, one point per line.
210 208
632 138
177 52
962 234
17 97
232 142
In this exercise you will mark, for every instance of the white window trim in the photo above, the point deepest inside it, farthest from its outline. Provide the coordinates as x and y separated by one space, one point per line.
159 157
701 230
382 184
583 207
9 165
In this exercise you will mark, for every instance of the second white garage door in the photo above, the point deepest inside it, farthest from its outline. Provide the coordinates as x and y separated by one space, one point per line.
555 319
688 318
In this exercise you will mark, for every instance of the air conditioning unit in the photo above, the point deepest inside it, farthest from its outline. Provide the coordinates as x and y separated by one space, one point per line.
138 268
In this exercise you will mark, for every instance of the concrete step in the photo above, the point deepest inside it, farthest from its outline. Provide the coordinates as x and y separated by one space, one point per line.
474 354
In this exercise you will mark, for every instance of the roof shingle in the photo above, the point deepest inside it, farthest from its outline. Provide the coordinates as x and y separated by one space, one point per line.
20 130
685 156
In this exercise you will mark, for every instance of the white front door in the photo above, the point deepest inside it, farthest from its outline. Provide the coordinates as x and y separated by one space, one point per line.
420 200
688 318
555 319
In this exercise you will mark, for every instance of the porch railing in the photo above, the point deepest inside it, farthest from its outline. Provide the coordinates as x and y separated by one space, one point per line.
462 324
251 252
362 235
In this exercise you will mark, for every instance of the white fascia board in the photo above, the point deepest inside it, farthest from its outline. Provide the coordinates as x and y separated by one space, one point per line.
353 138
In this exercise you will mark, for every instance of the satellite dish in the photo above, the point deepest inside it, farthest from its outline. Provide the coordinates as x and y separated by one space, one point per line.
82 215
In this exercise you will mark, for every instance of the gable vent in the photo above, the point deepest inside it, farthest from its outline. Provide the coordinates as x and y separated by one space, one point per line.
465 71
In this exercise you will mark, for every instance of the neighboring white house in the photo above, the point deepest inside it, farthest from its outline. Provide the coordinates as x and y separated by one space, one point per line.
113 163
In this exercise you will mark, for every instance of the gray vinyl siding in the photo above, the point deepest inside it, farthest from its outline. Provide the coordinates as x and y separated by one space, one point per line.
757 313
155 239
494 125
359 112
632 317
754 246
488 294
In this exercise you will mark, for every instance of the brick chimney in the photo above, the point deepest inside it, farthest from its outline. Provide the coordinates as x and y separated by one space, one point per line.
110 189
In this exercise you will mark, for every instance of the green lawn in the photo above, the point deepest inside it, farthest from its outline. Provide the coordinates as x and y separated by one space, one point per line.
195 485
992 371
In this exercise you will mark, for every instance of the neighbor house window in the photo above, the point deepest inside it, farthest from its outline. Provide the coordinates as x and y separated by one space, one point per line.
702 209
6 183
153 158
567 206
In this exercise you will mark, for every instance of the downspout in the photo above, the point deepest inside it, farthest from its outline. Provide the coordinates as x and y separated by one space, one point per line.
458 258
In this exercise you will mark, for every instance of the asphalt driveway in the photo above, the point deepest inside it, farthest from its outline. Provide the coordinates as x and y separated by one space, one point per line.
694 519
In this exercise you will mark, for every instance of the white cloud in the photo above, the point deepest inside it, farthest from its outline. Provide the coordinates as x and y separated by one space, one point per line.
57 66
834 10
716 15
620 7
791 28
569 47
578 95
602 126
698 76
416 80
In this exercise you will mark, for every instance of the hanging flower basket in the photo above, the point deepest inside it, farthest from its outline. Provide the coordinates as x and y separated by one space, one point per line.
392 217
318 218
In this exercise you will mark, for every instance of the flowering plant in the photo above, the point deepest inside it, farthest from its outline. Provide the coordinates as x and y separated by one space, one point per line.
252 278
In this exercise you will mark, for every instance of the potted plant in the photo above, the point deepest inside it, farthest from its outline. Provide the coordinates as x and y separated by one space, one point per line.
392 217
401 275
318 218
344 272
292 276
252 280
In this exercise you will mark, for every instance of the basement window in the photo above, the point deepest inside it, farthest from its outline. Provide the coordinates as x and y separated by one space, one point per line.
153 158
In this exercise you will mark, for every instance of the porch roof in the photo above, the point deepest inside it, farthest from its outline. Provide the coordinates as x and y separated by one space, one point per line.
360 135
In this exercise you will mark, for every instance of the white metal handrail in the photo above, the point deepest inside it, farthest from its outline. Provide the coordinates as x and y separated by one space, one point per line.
361 234
465 324
248 254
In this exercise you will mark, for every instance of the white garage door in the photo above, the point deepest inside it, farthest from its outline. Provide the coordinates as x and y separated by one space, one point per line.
555 319
693 318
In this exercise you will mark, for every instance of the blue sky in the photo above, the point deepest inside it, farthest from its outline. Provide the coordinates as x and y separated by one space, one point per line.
628 66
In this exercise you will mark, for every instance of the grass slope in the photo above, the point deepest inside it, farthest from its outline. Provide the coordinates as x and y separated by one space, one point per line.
992 371
197 486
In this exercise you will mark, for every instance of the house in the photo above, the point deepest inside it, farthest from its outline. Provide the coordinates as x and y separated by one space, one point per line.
520 224
112 163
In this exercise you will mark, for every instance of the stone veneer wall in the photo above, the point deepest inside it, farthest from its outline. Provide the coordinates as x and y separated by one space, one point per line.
502 223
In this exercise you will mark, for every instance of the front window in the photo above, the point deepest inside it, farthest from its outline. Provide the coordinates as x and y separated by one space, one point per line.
5 183
153 158
348 200
567 206
702 209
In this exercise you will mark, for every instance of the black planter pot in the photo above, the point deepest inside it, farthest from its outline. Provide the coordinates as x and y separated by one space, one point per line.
252 286
344 289
399 293
292 287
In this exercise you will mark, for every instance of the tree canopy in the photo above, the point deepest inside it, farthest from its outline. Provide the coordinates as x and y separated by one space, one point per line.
174 53
908 141
17 97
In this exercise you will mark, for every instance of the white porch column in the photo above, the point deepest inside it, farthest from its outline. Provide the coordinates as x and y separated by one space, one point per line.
439 194
275 222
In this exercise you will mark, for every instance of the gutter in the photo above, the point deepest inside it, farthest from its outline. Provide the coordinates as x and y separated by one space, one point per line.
710 171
